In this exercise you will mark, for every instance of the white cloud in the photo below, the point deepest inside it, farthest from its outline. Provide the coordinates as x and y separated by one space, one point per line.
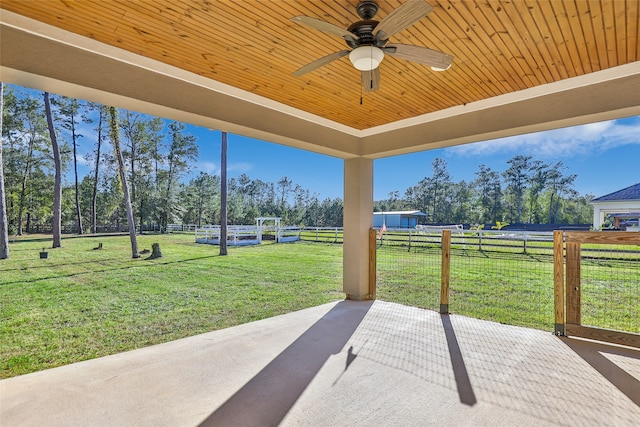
592 139
208 167
240 167
82 160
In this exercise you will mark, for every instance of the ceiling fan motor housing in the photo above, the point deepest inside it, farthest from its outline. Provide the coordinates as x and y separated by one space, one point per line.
367 9
364 31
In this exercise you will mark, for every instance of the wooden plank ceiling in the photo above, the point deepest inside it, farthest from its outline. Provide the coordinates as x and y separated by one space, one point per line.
499 47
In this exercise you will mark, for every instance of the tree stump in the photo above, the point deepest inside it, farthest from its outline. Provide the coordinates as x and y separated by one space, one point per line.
155 251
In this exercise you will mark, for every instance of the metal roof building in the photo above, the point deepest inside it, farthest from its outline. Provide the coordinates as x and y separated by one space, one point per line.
397 219
621 204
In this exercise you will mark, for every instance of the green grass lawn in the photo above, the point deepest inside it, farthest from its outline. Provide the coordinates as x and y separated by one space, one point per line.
83 303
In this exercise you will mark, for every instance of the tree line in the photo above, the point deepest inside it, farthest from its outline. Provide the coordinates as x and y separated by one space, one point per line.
527 191
157 156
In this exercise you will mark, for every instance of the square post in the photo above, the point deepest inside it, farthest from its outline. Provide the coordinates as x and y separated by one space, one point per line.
573 283
372 264
445 271
558 281
358 220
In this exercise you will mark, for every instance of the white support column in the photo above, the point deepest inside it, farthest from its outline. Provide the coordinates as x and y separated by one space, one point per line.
598 218
358 219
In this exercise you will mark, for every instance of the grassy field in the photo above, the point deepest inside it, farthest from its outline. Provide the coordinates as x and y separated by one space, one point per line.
83 303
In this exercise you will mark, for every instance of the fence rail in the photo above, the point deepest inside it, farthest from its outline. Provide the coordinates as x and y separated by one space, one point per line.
236 235
322 234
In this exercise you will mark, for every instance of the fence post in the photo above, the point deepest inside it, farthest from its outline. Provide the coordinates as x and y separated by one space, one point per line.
558 281
573 283
479 240
372 263
445 271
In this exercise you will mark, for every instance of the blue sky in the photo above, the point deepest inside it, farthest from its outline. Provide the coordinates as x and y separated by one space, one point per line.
604 155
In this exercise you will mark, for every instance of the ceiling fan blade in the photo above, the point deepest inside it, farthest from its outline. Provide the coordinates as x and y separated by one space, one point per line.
402 17
371 80
321 25
419 54
320 63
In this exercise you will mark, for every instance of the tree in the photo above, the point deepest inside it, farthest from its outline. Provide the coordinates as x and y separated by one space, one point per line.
69 108
488 195
182 152
142 137
461 198
285 185
223 195
102 112
115 139
200 195
57 189
440 184
4 226
516 179
558 185
26 153
537 183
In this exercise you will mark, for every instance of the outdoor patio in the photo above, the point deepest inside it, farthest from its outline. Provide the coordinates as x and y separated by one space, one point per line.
342 364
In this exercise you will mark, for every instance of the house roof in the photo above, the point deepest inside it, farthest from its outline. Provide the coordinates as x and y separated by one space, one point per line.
414 213
626 194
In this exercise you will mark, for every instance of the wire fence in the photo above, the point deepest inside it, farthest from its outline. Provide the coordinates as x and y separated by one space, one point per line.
502 286
507 277
610 288
409 276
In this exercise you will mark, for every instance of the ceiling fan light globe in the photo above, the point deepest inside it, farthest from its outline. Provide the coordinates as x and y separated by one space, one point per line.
366 58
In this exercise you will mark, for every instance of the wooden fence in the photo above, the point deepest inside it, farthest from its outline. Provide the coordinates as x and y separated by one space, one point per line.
567 293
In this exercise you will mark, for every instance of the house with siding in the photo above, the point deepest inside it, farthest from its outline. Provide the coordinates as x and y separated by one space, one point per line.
622 205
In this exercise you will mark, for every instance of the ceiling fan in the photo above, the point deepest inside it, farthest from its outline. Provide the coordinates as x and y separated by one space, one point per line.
369 41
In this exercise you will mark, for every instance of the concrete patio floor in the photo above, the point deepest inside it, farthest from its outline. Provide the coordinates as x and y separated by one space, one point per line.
341 364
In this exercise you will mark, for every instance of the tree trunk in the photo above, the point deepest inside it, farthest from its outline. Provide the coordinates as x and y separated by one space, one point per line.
23 188
167 198
115 138
75 171
94 196
57 187
223 195
4 226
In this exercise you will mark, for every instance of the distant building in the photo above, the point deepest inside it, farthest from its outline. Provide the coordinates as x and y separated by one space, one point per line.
398 219
622 205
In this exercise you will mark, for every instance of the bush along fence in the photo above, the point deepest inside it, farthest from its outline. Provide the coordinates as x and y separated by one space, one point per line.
506 280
